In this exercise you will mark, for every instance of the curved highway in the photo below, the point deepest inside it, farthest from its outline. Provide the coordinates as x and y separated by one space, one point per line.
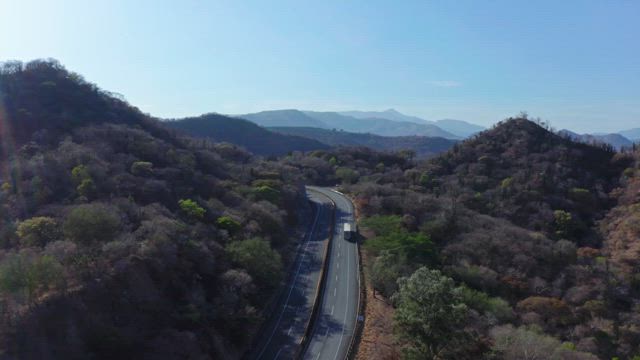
281 336
335 326
332 331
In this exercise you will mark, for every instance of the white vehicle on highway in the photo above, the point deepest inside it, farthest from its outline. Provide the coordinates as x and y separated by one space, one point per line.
347 231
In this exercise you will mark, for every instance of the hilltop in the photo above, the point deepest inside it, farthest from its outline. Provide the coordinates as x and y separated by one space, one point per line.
120 238
283 118
520 171
524 224
244 133
616 140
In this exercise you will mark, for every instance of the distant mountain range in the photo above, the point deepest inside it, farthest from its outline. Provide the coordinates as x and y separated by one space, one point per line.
244 133
631 134
616 140
278 132
283 140
384 123
422 145
459 128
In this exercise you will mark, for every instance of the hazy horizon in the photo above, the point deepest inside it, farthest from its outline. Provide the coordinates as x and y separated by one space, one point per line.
572 63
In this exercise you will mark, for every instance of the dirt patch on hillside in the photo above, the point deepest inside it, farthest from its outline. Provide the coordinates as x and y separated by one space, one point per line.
378 342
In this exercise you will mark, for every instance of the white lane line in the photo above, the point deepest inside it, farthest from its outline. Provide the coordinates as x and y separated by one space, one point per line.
293 283
277 355
289 332
338 265
332 306
335 290
338 254
318 357
336 277
339 245
346 308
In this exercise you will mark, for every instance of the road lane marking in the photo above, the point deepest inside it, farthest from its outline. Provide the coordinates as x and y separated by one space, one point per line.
338 265
277 355
336 277
332 306
293 283
346 308
335 290
289 332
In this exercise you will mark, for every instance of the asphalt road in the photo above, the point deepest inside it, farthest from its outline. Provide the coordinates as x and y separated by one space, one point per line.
284 330
336 321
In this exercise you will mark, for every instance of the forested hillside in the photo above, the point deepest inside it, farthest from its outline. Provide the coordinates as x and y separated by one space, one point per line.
120 239
423 146
507 245
258 140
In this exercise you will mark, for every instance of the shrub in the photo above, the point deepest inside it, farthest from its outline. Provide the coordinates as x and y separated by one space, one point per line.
506 183
385 271
38 231
563 223
91 222
227 223
27 274
142 168
87 188
80 173
267 193
191 209
483 303
429 314
6 187
256 256
581 196
551 309
347 175
629 172
383 224
522 343
565 252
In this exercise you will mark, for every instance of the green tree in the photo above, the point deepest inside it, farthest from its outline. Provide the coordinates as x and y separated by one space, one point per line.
383 224
38 231
385 271
191 209
429 314
142 168
268 193
425 180
227 223
80 173
27 274
564 224
6 187
347 175
82 178
411 247
91 222
258 258
87 188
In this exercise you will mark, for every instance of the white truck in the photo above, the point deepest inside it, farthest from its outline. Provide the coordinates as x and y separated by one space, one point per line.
347 231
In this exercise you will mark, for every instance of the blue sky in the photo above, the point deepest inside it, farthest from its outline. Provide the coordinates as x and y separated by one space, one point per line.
574 63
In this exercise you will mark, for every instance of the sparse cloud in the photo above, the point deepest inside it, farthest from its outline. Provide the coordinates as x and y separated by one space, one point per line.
445 83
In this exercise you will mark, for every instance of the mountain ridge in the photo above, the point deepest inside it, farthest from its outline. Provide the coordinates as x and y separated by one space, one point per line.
245 133
423 146
335 120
